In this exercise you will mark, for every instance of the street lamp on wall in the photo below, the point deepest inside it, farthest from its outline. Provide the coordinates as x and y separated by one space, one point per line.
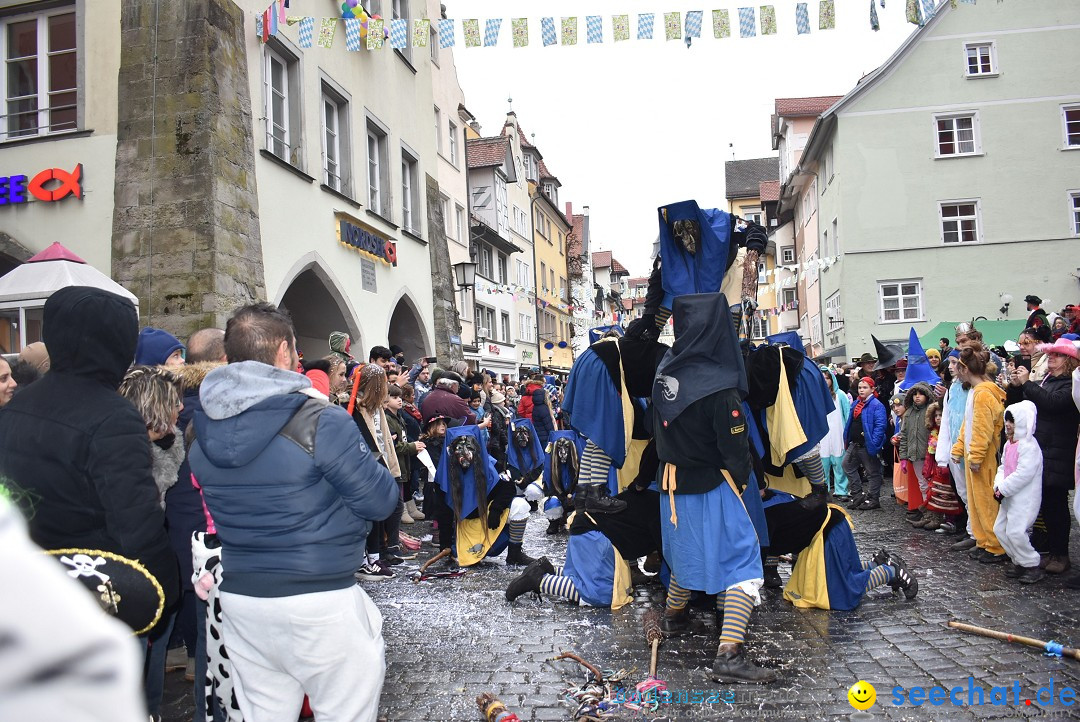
465 274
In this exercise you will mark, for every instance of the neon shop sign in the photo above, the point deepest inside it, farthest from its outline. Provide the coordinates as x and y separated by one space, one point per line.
51 184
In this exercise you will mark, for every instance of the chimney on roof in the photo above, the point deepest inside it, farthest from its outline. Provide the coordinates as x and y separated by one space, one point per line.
570 211
585 211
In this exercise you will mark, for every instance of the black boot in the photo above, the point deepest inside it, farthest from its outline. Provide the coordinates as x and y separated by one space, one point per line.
652 563
555 526
529 580
515 557
672 625
598 500
880 557
856 500
772 577
817 497
903 580
731 665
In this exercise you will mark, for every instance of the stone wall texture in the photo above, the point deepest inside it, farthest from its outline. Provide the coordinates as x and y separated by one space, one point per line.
185 226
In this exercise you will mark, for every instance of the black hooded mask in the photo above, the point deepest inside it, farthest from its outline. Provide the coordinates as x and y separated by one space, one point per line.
90 333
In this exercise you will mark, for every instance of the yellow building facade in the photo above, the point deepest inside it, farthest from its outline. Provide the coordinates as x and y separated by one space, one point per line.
554 317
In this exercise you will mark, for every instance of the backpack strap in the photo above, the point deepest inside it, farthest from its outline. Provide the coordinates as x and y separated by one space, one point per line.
304 423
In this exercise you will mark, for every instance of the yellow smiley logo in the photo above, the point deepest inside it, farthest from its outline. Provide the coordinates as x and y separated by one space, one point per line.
862 695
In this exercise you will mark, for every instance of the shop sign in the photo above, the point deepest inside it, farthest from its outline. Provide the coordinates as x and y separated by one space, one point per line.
14 188
367 242
492 348
526 355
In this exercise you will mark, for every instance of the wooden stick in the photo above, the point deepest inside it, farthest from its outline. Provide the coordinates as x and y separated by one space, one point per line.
1006 637
653 635
423 567
652 662
570 655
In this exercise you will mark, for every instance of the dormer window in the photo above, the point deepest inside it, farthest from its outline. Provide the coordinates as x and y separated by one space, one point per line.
531 167
552 192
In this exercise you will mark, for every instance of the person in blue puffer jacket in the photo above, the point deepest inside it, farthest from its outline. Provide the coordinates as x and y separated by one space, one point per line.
864 437
293 491
542 418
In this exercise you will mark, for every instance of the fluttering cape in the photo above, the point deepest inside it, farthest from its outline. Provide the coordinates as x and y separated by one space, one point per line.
704 359
700 272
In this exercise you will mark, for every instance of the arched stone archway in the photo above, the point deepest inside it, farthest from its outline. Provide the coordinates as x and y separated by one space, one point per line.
407 330
317 308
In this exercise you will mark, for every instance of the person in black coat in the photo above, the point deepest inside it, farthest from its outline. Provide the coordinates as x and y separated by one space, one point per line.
1056 427
76 451
542 419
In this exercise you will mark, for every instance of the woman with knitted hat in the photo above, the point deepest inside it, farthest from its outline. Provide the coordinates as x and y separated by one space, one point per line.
1056 432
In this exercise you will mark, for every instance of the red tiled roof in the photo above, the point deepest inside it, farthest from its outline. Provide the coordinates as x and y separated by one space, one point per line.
769 190
618 267
577 233
486 152
545 174
628 304
792 107
601 259
640 281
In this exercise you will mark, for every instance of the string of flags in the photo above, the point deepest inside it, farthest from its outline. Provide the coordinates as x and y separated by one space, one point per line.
371 32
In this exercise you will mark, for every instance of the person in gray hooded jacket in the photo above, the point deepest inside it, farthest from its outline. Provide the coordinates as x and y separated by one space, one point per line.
293 490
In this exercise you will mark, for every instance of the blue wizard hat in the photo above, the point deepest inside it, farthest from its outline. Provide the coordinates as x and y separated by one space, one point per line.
918 368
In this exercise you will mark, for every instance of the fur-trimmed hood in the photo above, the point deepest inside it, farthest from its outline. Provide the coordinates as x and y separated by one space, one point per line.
191 376
921 387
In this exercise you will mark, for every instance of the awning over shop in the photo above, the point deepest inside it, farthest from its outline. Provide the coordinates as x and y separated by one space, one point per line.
995 333
54 268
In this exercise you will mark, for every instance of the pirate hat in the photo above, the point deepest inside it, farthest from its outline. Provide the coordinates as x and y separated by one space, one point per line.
123 587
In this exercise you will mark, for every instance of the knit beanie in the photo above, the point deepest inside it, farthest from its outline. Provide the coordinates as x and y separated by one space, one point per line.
155 347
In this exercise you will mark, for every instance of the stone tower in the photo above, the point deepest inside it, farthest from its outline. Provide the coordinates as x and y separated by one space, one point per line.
186 220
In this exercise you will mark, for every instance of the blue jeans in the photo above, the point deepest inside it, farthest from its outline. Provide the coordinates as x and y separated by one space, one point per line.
155 646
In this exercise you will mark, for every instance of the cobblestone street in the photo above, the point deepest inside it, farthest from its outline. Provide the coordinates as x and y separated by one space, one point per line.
448 640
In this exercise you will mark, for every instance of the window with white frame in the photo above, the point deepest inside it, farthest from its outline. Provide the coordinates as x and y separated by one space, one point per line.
815 329
336 137
832 311
562 289
521 222
486 261
825 243
809 202
543 277
401 11
542 223
378 170
836 237
812 269
410 192
827 168
759 327
40 80
1070 117
459 223
502 214
762 276
980 59
524 274
526 327
900 301
448 219
960 222
438 130
504 327
1074 211
787 255
433 43
752 214
500 271
790 298
552 192
485 323
957 134
453 139
281 90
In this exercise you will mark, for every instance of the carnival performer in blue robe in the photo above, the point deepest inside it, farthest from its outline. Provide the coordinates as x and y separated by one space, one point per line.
709 541
829 573
599 553
524 452
562 470
484 511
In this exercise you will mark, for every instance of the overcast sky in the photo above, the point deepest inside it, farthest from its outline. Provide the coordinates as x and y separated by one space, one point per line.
633 125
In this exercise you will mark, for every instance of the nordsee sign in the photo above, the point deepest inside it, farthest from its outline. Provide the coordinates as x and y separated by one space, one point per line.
364 240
